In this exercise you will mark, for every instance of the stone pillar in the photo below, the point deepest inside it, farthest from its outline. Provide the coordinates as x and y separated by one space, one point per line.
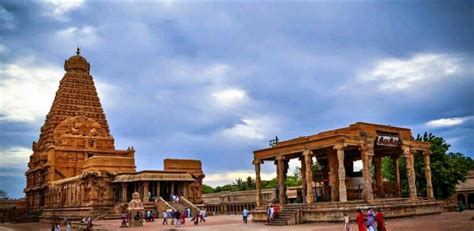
396 173
303 179
308 167
258 181
332 161
429 185
158 188
172 188
341 172
281 179
146 194
410 167
378 175
367 152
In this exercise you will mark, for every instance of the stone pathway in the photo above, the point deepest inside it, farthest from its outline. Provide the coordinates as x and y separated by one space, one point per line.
452 221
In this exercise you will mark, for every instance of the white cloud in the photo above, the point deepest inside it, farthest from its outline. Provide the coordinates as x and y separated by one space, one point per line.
26 92
398 74
219 179
14 157
251 128
86 35
229 97
448 122
4 49
59 8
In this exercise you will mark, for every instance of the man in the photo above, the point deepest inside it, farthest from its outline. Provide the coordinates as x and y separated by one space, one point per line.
177 217
165 217
245 214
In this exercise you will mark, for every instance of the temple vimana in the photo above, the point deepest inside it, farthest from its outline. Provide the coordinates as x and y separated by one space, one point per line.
75 170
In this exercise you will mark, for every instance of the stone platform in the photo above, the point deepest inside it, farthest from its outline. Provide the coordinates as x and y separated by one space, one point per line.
334 211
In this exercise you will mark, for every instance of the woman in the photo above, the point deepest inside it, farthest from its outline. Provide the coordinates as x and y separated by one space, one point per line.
360 220
380 220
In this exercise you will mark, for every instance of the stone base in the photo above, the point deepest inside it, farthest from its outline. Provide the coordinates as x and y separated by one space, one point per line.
74 213
334 211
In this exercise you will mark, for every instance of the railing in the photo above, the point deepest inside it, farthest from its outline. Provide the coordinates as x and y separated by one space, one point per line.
162 204
194 208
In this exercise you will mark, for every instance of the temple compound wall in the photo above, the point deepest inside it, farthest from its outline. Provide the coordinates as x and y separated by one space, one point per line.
336 182
75 170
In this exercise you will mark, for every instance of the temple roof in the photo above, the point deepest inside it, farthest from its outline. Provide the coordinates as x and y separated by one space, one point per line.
76 96
153 176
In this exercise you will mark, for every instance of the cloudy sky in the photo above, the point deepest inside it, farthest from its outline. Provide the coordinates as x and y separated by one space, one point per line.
216 81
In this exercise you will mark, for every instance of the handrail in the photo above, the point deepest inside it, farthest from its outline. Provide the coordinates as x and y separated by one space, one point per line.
187 202
160 199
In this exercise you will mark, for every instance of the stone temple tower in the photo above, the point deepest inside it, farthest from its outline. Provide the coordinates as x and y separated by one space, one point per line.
75 137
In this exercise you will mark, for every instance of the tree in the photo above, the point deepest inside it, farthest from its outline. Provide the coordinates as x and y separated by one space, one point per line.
447 169
3 195
207 189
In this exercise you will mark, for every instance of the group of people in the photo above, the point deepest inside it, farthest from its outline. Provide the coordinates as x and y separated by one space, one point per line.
368 225
149 216
273 211
179 218
174 198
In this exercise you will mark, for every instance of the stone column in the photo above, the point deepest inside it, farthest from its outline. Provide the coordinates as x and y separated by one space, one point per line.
341 172
308 159
258 181
172 188
303 179
281 179
332 161
146 197
410 167
367 152
429 185
396 173
378 175
158 188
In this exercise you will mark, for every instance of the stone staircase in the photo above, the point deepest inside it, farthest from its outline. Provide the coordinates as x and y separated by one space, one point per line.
290 214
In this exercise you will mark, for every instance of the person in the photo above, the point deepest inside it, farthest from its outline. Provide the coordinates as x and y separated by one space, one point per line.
272 213
380 220
177 216
245 214
346 222
269 213
360 220
165 217
460 206
183 218
201 216
68 226
371 220
57 227
276 211
172 213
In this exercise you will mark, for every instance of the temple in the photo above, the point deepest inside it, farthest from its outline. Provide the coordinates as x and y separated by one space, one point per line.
75 170
343 168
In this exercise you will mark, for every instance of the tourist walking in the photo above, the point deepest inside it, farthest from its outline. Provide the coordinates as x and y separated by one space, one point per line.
269 213
380 220
177 217
183 217
202 215
165 217
245 214
371 220
360 220
346 222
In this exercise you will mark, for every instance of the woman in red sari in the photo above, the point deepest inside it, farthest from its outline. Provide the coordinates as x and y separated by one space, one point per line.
380 221
360 220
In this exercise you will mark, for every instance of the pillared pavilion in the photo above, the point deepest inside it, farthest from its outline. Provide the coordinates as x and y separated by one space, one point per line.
75 170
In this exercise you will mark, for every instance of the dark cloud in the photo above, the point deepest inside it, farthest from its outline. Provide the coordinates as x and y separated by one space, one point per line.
298 65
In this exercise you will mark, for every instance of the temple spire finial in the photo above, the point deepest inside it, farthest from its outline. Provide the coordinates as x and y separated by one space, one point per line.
78 51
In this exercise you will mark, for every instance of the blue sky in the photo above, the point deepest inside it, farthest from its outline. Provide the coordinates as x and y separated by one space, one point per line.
215 81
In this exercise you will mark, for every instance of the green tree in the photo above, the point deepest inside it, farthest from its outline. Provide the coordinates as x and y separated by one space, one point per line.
207 189
3 195
447 169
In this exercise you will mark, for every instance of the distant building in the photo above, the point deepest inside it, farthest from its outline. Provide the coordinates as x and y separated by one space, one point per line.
465 191
75 170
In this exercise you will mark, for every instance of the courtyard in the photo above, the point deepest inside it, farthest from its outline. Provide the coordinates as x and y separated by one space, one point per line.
452 221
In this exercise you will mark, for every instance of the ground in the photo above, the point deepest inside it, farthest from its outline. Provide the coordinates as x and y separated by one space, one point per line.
452 221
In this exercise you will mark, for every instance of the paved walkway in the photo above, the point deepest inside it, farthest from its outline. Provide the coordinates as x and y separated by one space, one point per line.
452 221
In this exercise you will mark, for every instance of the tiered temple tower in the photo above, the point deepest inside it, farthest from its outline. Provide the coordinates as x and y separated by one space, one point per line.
75 136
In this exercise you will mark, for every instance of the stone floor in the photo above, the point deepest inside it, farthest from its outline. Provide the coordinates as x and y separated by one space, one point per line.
452 221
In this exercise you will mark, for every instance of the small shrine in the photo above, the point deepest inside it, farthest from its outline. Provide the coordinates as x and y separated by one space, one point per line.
135 210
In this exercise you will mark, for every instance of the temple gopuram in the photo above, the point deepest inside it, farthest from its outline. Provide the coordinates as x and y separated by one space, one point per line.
75 170
341 172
